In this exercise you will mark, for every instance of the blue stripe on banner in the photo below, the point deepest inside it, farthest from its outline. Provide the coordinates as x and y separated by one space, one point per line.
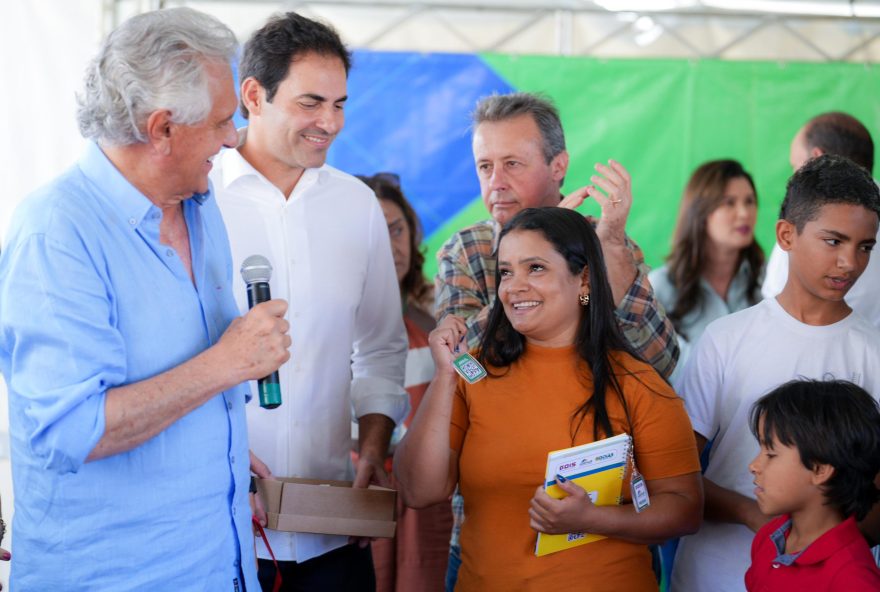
409 113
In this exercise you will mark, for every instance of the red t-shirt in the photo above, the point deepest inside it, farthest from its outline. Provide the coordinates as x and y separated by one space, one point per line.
838 560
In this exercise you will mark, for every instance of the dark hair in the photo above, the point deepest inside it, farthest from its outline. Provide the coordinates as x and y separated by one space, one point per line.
703 194
843 134
597 333
827 179
540 108
831 422
413 286
269 52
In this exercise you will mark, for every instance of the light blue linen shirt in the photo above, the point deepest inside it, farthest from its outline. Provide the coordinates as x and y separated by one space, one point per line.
713 306
90 300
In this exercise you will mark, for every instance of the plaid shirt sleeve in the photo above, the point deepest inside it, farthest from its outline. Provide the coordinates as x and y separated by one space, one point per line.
465 282
643 319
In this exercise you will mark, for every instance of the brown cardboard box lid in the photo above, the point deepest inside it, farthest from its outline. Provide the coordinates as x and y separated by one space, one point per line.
328 507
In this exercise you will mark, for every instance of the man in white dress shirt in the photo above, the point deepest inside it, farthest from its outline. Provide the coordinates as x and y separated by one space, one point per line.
326 237
843 134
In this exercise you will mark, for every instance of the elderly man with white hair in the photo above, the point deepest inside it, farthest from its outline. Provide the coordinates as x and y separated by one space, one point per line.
119 339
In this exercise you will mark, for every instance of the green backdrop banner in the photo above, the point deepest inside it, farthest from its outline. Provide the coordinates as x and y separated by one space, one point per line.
662 118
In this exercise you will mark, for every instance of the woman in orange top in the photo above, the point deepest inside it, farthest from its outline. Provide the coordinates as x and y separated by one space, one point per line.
560 375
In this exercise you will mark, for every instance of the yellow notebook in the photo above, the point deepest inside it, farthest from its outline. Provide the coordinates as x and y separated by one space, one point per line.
598 467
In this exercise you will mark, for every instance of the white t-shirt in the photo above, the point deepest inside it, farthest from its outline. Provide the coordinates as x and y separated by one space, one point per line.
328 244
863 297
740 358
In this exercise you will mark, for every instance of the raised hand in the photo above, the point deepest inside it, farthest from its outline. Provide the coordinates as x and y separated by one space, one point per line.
444 340
615 199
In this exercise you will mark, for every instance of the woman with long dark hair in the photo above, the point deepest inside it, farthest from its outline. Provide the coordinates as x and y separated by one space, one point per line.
560 375
716 264
415 559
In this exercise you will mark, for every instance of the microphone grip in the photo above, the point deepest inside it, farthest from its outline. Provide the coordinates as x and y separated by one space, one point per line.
268 387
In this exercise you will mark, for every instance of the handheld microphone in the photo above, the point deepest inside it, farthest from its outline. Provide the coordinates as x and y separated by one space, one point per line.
256 272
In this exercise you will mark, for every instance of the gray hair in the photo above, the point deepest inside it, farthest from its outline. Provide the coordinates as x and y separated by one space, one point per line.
541 108
152 61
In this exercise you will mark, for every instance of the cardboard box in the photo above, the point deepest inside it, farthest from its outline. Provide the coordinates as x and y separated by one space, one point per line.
329 507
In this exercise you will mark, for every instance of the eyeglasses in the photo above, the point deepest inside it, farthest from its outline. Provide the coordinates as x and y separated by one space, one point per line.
392 179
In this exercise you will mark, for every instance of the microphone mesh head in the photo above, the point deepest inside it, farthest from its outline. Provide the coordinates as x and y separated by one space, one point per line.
256 268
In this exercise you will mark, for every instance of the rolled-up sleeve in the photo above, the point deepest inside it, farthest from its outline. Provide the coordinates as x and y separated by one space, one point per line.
464 287
380 344
643 320
61 351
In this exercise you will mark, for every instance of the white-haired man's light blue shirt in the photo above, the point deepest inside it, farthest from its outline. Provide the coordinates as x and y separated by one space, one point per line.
91 300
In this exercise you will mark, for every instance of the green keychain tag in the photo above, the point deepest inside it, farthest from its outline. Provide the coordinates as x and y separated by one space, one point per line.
469 368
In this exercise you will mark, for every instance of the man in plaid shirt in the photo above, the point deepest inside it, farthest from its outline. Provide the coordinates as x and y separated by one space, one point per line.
519 149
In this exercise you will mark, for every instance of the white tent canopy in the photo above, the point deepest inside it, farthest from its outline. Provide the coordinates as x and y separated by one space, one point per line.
728 29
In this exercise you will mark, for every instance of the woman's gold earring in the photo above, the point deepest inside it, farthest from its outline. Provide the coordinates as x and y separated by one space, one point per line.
584 299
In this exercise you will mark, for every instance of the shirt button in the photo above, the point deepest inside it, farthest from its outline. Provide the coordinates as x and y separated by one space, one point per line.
232 459
229 405
233 510
169 252
132 221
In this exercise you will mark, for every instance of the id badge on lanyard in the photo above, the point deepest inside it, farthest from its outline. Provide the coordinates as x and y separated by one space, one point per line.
637 486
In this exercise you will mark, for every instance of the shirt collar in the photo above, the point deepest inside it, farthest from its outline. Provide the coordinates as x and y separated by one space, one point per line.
201 198
234 167
819 550
737 286
831 542
116 190
496 235
777 537
744 269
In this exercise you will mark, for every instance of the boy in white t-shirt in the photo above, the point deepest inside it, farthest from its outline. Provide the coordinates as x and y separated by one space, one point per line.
828 226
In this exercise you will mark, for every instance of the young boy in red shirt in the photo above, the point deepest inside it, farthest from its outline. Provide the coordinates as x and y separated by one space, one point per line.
820 456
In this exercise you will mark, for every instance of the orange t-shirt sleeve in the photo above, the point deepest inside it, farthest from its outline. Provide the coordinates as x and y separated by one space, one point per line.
664 443
459 422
